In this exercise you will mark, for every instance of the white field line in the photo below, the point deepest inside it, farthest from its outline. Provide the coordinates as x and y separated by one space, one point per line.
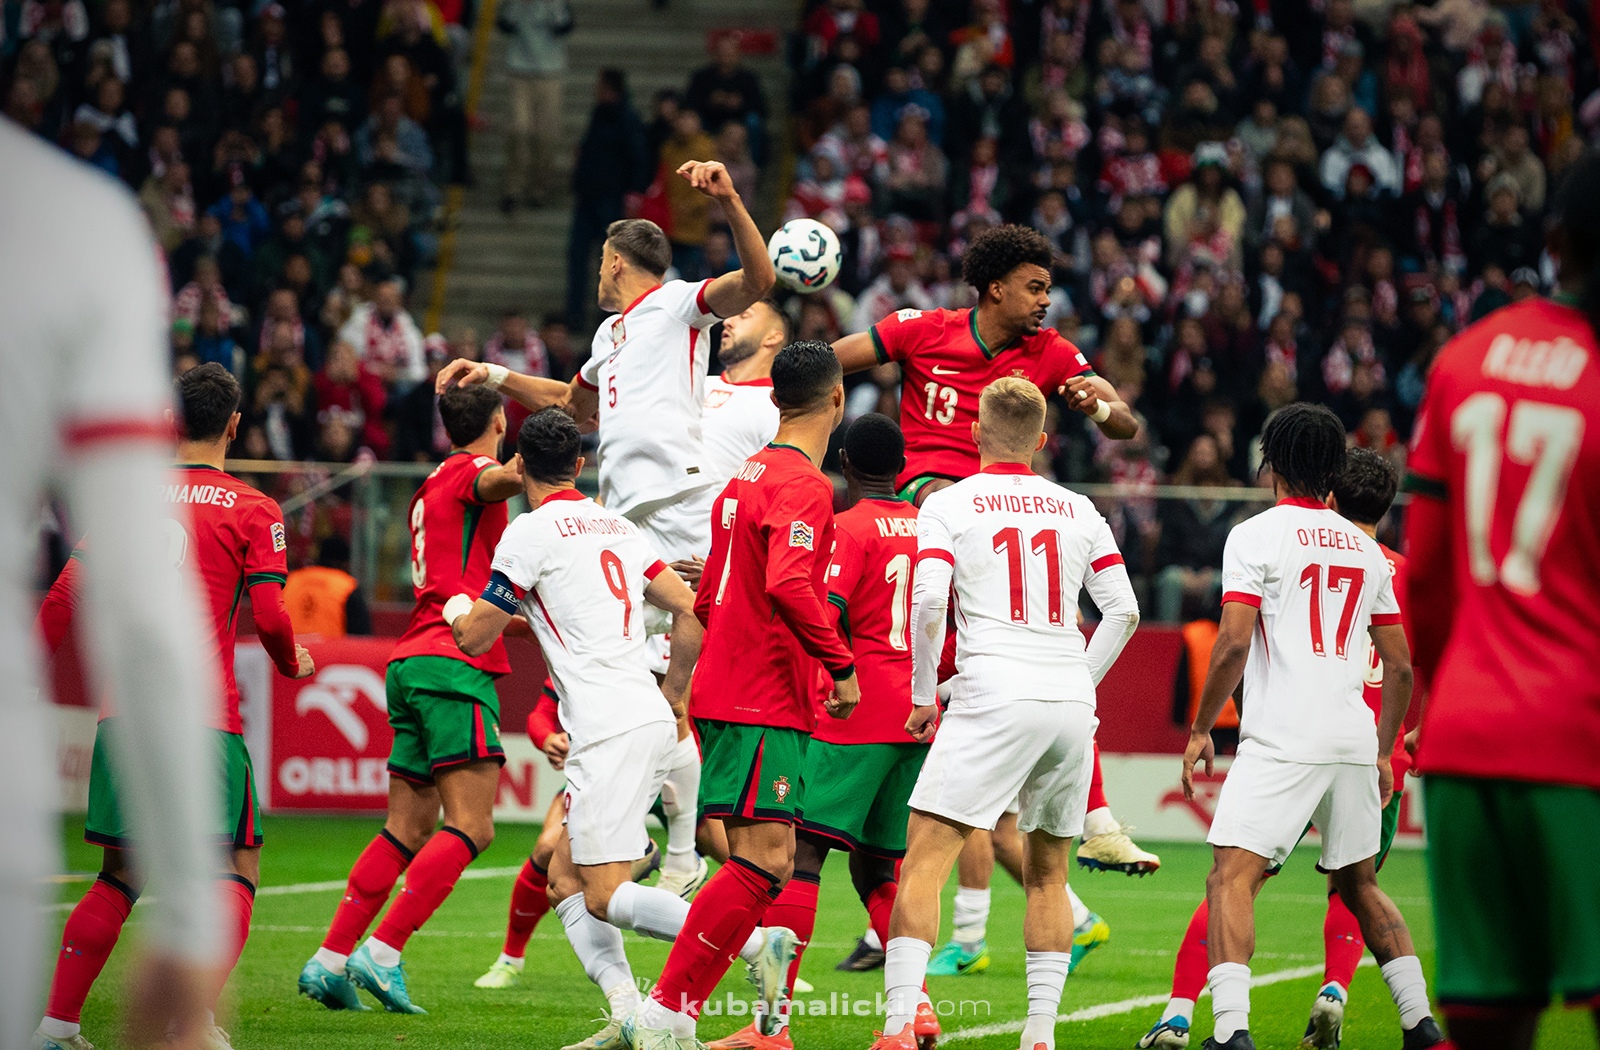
321 887
1125 1006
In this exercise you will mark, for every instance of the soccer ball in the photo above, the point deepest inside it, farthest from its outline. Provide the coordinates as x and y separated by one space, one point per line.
806 255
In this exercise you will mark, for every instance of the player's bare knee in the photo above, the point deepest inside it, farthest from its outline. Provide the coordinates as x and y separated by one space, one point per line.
598 899
542 852
563 883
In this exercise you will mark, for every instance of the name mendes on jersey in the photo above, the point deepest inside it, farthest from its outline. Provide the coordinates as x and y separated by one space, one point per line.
215 495
896 527
1007 503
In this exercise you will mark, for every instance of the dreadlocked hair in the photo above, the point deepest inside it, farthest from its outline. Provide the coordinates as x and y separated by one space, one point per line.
1576 212
1304 445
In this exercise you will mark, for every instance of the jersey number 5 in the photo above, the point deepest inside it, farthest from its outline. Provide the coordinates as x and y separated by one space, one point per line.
617 579
730 507
1340 578
1545 437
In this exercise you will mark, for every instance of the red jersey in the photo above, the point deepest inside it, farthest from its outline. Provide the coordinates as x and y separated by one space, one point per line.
945 367
234 538
874 556
453 537
1505 568
1373 692
763 595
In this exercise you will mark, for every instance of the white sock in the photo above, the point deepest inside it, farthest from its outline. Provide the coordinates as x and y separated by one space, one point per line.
870 939
683 811
970 917
381 953
624 999
653 1015
905 967
514 961
1409 988
598 945
647 910
1182 1008
1047 975
1099 822
58 1029
1080 910
331 961
752 944
1230 999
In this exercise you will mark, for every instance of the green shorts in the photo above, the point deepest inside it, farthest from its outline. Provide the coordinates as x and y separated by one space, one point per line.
750 771
1391 824
444 713
237 825
858 794
913 488
1516 892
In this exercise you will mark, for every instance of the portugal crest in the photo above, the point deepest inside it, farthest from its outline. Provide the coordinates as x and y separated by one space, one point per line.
780 788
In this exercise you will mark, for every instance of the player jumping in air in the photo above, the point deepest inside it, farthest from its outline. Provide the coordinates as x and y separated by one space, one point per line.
1362 493
1504 548
1302 592
762 598
445 714
233 538
858 772
1021 718
643 385
946 358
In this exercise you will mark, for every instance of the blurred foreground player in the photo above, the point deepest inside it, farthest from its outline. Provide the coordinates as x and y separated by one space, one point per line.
85 359
1362 494
1504 549
1303 592
232 537
445 715
1015 550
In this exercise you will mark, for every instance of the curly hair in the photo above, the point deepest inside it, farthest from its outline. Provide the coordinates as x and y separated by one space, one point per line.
994 254
1304 445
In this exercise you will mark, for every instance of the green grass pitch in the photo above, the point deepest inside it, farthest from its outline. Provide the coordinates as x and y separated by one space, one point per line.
555 1003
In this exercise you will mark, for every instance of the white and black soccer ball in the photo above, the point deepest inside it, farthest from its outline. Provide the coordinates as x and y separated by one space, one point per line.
806 255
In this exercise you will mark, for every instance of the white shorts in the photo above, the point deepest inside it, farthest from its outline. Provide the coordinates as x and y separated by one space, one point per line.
676 532
1039 752
611 785
1266 804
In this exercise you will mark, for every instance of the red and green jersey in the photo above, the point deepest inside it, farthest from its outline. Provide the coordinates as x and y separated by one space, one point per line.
763 595
1509 440
233 537
874 556
453 537
945 366
1373 690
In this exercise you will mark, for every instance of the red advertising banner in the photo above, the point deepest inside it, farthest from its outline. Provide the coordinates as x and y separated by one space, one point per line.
329 735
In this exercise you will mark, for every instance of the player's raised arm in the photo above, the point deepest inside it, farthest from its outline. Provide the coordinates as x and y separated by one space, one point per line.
856 352
1096 398
668 592
733 293
498 483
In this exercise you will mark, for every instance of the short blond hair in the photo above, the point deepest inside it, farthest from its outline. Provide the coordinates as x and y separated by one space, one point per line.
1011 414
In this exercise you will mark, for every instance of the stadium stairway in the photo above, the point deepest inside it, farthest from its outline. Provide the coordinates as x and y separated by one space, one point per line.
495 262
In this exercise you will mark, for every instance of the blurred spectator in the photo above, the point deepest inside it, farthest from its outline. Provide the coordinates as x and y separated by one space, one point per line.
1356 146
386 338
726 90
324 599
896 289
419 432
353 391
612 161
691 209
1193 534
536 64
900 95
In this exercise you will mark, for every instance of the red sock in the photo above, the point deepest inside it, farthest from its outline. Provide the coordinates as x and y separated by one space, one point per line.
880 905
240 899
1341 943
720 919
796 908
92 931
429 880
371 880
1189 975
528 905
1097 791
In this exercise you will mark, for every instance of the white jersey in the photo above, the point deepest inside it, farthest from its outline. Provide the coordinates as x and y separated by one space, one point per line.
84 351
648 365
1021 548
737 421
580 571
1319 582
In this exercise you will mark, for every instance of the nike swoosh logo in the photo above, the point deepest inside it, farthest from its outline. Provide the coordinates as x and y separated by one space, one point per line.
946 371
527 913
380 982
705 942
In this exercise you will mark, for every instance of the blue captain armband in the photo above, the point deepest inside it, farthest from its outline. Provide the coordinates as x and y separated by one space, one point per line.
502 593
